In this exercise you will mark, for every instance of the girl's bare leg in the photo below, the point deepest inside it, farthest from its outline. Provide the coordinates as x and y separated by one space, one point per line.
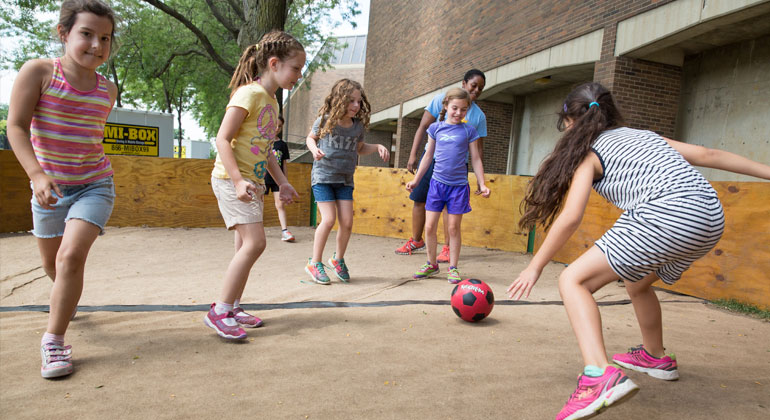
577 283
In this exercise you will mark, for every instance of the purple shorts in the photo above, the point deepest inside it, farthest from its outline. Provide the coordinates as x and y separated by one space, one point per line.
456 198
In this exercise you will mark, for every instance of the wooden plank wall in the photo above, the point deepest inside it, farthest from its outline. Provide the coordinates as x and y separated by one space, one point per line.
382 207
159 192
15 195
737 268
177 193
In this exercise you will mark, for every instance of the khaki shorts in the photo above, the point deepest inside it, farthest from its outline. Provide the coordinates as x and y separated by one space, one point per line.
235 211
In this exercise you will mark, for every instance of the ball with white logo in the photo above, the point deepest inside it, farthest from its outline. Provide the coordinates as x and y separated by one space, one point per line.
472 300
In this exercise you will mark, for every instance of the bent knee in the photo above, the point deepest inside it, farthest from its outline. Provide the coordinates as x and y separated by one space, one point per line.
254 248
68 259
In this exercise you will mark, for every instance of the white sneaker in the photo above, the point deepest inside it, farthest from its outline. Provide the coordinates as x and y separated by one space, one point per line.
286 236
57 360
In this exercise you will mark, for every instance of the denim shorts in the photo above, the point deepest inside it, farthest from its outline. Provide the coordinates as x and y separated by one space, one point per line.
332 192
92 202
456 198
420 193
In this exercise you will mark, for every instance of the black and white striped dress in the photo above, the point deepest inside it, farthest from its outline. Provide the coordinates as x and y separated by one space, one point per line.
672 216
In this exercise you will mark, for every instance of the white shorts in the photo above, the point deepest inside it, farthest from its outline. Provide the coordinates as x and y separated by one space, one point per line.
235 211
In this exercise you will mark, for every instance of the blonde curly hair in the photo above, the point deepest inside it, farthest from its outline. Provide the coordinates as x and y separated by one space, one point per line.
336 105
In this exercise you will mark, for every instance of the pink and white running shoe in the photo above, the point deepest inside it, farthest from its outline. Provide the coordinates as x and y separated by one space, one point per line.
224 324
639 360
246 320
594 394
57 360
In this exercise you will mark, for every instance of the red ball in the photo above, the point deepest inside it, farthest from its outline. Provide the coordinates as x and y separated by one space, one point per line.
472 300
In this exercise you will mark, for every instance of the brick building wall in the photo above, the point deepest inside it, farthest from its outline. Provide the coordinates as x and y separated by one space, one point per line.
498 136
647 93
384 138
404 139
431 32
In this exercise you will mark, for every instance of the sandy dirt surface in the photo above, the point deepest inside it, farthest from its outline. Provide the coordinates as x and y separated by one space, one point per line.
382 346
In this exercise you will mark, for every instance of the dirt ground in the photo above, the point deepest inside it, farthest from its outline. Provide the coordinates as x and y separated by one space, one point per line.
384 346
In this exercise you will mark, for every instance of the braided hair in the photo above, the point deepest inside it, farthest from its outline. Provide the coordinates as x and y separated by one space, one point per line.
254 59
454 93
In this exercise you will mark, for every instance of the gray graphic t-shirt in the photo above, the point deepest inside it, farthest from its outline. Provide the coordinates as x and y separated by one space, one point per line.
339 164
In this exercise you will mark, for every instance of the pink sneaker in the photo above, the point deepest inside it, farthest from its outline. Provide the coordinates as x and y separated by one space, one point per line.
57 360
639 360
594 394
443 257
225 324
246 320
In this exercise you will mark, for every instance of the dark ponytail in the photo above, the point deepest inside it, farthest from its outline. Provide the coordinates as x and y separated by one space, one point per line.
591 110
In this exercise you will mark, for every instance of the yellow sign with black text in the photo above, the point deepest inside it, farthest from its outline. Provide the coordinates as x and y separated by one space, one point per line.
127 139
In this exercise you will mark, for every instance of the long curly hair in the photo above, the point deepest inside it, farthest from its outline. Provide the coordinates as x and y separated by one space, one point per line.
336 105
547 190
254 59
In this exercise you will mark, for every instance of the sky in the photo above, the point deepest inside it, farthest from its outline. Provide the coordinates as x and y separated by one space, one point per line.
192 129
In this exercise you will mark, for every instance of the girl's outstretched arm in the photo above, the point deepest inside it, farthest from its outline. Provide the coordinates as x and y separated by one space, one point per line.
368 149
422 131
720 159
34 76
562 228
427 159
478 169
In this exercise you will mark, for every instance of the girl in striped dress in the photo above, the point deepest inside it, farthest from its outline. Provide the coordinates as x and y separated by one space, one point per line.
56 126
672 216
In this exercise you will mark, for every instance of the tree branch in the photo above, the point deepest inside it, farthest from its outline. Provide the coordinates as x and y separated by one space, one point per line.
221 19
172 57
238 9
198 33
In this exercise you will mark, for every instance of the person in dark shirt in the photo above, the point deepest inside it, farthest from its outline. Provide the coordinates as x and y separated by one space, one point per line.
281 152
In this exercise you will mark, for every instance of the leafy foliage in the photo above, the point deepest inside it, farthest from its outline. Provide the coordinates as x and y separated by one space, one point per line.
178 56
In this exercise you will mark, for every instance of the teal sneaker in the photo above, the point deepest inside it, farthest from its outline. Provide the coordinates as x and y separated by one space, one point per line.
426 270
317 272
340 268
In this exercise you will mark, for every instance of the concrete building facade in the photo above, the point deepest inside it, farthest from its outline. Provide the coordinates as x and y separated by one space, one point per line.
694 70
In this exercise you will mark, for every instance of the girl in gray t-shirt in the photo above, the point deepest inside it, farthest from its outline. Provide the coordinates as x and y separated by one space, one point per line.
336 140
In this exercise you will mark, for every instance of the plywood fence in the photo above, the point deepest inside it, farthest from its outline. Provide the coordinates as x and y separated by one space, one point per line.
737 268
382 208
168 192
159 192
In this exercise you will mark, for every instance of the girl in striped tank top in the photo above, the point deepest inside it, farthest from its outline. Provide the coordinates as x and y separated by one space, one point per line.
55 126
672 216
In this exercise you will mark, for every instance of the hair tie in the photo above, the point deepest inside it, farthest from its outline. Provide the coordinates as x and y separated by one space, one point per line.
565 107
592 104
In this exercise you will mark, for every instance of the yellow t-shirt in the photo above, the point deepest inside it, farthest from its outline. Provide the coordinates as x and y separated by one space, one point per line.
255 138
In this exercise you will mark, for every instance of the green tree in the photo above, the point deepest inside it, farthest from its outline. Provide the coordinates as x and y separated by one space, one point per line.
4 127
182 59
242 23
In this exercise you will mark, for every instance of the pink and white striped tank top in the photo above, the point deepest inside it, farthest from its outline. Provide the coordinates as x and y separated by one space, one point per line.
68 128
